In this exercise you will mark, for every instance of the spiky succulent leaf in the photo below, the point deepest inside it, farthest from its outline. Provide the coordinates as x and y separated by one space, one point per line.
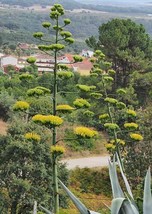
81 207
147 202
116 205
46 210
123 206
92 212
125 179
116 189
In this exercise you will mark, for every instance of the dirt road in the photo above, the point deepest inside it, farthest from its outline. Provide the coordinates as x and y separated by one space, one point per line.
89 162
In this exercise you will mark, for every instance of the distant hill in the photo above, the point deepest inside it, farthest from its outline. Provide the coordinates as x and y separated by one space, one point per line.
115 2
68 4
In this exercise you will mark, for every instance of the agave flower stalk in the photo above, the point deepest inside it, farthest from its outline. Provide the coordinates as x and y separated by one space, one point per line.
111 117
62 39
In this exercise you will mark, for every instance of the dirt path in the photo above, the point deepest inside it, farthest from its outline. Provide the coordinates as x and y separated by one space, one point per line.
89 162
3 127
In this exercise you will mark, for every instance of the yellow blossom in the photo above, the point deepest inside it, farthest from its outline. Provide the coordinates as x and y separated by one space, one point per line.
21 105
110 146
64 108
58 150
131 125
50 120
103 116
135 136
85 132
111 100
122 142
32 136
111 126
80 103
119 141
131 112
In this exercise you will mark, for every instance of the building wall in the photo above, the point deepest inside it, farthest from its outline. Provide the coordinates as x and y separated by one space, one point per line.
8 61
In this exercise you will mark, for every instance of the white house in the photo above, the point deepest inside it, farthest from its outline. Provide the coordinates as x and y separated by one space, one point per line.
87 53
8 60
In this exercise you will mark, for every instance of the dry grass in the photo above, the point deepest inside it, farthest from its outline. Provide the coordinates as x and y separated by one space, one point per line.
3 127
84 72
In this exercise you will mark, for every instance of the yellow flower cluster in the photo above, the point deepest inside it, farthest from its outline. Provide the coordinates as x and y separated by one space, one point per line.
119 141
108 79
80 103
85 132
64 108
86 88
121 105
88 113
65 74
135 136
111 100
96 95
48 119
21 105
58 150
103 116
121 91
110 146
131 112
32 136
111 72
111 126
131 125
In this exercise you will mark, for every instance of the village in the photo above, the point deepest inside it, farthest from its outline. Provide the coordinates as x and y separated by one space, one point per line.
44 62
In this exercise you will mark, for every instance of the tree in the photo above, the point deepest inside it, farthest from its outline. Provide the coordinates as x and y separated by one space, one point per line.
127 46
25 167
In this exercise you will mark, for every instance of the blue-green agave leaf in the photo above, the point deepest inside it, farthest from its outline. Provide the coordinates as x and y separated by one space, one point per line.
128 208
81 207
92 212
46 210
125 179
116 205
147 201
116 189
123 206
133 205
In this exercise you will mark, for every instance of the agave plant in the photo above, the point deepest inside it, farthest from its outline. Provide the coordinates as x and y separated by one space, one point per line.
80 206
122 203
45 210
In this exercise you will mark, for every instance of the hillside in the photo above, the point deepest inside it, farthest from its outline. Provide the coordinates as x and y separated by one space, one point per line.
16 25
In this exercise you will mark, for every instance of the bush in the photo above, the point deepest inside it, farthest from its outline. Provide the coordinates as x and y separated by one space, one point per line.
6 101
91 181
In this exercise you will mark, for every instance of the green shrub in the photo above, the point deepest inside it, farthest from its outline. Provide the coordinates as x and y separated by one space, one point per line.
91 181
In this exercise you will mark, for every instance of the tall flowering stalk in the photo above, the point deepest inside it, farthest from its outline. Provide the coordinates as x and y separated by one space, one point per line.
115 106
62 38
